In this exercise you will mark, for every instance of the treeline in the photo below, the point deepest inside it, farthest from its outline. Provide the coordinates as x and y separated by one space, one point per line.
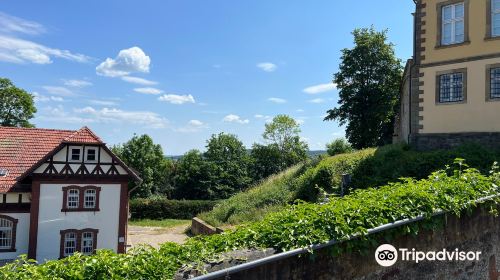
225 168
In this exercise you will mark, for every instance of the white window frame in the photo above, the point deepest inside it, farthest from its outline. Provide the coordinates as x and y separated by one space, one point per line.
73 193
493 14
88 194
7 227
87 155
68 238
70 156
453 21
87 243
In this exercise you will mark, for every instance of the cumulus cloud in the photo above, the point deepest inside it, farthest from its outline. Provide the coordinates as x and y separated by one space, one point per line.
113 115
235 119
192 126
320 88
128 61
77 83
139 81
23 51
102 102
277 100
267 66
12 24
148 90
177 99
56 90
317 100
43 98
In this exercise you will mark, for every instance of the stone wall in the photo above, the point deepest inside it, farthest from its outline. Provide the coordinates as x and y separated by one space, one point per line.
424 142
200 227
479 231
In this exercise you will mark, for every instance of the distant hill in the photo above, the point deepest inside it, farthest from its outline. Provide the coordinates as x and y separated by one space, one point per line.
309 153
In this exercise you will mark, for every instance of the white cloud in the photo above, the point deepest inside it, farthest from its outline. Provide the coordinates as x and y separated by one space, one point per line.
235 119
128 61
61 91
177 99
112 115
12 24
192 126
77 83
317 100
139 81
148 90
42 98
277 100
262 117
102 102
267 66
22 51
195 123
300 110
320 88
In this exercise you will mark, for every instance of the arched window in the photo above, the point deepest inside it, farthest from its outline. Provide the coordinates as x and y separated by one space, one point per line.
8 226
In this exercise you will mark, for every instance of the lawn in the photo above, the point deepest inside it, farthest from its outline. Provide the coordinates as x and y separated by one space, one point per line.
167 223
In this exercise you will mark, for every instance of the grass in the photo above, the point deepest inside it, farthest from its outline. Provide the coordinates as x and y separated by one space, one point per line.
167 223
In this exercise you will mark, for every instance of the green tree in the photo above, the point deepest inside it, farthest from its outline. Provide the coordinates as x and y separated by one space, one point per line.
368 83
192 178
338 146
284 147
228 161
16 105
147 158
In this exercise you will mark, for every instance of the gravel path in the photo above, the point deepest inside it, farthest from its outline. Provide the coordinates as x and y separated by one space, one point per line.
155 236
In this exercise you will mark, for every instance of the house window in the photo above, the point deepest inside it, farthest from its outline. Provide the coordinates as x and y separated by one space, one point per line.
88 243
451 86
80 199
453 24
91 155
8 227
76 154
495 18
89 198
73 240
493 82
69 243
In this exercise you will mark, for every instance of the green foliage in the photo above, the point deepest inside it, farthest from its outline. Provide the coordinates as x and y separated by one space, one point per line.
165 223
327 175
368 83
192 177
338 146
161 208
297 226
273 194
146 157
16 105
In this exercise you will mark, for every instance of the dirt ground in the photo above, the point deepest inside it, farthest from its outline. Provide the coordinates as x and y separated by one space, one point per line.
155 236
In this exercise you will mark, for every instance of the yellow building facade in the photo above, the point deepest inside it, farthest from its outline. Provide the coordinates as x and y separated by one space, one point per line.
451 89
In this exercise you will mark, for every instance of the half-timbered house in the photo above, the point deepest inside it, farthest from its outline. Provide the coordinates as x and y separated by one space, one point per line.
61 192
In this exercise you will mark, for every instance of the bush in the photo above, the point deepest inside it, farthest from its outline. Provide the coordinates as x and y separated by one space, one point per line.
297 226
338 146
162 208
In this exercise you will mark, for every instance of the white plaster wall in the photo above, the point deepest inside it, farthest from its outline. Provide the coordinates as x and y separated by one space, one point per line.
22 235
52 220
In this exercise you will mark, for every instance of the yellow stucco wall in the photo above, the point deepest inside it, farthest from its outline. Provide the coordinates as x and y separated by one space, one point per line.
476 115
477 34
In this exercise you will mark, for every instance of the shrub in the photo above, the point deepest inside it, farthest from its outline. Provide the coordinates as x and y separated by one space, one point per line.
297 226
338 146
162 208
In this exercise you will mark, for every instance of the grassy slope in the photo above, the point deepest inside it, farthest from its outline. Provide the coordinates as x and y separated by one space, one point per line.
167 223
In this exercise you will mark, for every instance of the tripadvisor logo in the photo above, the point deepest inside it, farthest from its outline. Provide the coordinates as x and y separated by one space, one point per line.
387 255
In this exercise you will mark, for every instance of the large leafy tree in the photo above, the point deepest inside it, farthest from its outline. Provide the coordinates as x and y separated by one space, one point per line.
147 158
16 105
368 81
228 161
192 178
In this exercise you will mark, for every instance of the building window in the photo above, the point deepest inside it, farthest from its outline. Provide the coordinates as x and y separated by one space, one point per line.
88 243
76 154
451 86
83 241
91 155
8 227
89 198
495 18
80 199
453 24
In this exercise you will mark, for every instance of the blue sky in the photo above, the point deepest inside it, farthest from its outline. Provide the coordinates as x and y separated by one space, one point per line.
183 70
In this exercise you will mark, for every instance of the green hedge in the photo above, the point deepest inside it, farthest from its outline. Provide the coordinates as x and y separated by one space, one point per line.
161 208
296 226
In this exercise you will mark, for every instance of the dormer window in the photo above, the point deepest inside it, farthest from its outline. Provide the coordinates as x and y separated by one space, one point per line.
3 172
76 154
91 155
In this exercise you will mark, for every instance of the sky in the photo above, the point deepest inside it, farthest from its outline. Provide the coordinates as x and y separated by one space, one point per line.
183 70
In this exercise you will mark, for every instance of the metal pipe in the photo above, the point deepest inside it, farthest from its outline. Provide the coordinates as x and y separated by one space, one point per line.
299 251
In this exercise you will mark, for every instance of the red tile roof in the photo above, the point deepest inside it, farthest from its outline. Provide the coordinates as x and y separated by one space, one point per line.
21 148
